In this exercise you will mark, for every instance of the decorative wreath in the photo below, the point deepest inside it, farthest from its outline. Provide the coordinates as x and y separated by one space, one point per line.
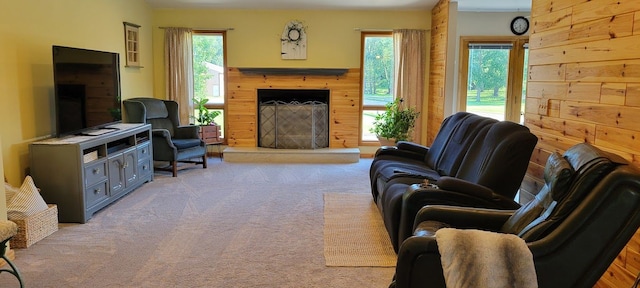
294 32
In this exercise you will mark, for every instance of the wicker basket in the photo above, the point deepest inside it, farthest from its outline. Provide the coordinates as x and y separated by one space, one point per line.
35 228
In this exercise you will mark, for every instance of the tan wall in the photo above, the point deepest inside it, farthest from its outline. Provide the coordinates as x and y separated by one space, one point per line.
254 41
28 29
584 86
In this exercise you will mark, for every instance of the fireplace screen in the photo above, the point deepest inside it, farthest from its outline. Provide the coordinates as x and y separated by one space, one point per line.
294 125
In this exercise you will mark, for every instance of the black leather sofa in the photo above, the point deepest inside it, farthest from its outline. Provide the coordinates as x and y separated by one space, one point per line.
443 157
475 161
587 211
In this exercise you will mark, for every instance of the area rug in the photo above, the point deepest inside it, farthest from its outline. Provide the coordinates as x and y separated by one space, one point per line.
354 234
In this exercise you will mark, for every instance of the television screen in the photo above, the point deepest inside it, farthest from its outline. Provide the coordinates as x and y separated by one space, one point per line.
87 89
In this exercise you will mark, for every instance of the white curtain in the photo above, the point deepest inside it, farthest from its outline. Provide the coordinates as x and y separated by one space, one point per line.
178 61
410 57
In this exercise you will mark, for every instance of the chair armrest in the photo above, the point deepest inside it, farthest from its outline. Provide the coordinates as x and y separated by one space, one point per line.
163 148
416 197
413 147
464 217
419 263
404 150
464 186
162 133
187 132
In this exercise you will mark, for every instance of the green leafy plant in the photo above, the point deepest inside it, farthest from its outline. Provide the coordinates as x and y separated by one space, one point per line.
205 116
396 122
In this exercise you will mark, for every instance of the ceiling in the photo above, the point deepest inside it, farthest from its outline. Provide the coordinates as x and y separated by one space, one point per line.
463 5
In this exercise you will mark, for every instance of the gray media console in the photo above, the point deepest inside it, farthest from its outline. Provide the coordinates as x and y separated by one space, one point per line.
83 174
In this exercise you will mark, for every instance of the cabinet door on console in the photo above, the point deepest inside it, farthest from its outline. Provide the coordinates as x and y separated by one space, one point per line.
122 170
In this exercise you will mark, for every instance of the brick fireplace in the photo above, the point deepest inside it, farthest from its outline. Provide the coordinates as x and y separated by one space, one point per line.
242 101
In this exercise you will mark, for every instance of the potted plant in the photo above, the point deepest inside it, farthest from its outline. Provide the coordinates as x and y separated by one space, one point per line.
395 124
205 117
209 130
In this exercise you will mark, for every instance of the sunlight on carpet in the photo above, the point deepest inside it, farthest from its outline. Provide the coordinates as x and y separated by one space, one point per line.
354 234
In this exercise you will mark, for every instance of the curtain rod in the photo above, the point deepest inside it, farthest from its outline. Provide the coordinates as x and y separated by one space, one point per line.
380 30
211 29
372 30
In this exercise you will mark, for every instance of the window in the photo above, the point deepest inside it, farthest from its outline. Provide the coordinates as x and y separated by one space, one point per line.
209 71
493 82
377 78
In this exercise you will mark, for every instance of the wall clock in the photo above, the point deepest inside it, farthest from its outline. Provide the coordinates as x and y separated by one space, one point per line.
519 25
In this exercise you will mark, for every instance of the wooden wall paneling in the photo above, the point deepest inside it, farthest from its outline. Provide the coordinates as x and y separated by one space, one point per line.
618 139
553 143
584 92
596 9
548 38
575 130
617 276
620 71
549 90
551 20
632 95
634 244
597 101
553 107
613 93
539 158
632 261
609 115
344 104
600 50
636 23
602 28
437 67
540 8
529 188
552 72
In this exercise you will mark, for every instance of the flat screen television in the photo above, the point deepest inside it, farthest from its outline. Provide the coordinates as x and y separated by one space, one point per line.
87 90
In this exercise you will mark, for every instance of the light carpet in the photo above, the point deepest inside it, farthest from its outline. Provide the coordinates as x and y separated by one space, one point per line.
238 225
354 234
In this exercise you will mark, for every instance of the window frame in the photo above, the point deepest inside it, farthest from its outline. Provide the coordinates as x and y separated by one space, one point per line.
363 107
515 75
218 106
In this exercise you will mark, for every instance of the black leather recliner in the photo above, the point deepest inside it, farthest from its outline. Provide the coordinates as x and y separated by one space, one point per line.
172 142
489 175
579 222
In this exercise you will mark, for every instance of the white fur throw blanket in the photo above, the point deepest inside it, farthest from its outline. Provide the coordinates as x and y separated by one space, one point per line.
474 258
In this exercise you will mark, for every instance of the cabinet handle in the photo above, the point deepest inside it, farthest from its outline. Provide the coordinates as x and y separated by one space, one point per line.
96 170
97 191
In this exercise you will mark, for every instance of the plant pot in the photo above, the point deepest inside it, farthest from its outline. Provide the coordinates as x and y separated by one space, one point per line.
386 141
210 134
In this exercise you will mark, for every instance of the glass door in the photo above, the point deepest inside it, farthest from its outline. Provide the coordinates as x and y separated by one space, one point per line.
492 78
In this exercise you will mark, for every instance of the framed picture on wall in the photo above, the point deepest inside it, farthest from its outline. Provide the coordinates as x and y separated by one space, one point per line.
132 44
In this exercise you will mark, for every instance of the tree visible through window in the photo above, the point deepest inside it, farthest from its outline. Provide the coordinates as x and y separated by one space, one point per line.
209 72
377 78
494 84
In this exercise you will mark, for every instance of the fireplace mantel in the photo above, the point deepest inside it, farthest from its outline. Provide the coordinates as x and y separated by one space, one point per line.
294 71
